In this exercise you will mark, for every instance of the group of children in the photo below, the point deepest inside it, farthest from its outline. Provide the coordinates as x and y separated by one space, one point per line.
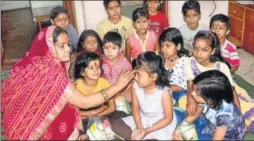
190 68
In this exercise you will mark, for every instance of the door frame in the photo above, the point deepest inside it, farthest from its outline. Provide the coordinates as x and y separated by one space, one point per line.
70 6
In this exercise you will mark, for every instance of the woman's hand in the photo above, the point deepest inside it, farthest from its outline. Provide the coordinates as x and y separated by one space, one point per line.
124 78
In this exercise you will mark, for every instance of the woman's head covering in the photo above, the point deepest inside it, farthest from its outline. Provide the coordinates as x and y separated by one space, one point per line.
34 93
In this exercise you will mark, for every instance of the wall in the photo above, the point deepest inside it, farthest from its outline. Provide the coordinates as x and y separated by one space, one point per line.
175 11
94 12
89 14
11 5
43 7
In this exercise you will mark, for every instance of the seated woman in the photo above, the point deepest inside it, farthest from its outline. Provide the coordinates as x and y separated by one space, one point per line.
214 95
38 100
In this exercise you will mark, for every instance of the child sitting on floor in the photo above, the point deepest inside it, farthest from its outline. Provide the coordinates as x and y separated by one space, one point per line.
152 105
206 57
214 95
113 62
175 57
220 24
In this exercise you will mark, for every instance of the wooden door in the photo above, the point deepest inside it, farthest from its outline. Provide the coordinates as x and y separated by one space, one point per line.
165 7
248 38
69 5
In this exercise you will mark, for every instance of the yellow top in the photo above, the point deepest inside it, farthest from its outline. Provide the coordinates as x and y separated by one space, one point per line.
101 84
123 27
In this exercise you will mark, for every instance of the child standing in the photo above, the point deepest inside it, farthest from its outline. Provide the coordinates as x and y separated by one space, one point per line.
115 21
158 20
192 14
214 96
60 17
113 62
89 41
153 114
142 40
175 57
206 57
220 24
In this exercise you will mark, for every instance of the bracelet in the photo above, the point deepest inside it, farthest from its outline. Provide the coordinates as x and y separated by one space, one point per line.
104 94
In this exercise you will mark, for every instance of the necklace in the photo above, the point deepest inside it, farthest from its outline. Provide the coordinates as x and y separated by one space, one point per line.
172 60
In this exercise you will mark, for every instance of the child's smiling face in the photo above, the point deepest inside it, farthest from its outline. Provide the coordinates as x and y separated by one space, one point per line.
93 70
192 18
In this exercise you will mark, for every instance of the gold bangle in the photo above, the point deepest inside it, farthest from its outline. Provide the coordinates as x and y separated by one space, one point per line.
104 94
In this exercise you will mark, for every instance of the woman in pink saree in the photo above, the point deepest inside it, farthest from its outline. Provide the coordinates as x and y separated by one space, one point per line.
38 100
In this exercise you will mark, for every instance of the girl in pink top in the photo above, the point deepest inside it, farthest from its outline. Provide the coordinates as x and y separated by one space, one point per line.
142 40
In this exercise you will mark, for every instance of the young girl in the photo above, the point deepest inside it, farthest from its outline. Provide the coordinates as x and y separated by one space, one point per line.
142 40
89 41
88 80
214 96
175 56
158 20
206 57
153 114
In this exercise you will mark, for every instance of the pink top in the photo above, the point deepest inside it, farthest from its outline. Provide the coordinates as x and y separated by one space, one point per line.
111 72
229 53
137 46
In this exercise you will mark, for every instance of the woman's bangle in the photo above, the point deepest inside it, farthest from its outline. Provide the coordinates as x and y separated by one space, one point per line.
104 94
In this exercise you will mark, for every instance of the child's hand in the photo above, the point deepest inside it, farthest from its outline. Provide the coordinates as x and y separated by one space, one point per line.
191 108
138 134
177 135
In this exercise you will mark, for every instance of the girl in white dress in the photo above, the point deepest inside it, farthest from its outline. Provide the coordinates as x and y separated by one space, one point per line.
153 114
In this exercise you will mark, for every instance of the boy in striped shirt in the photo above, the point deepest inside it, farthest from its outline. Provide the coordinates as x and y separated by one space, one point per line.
220 24
113 61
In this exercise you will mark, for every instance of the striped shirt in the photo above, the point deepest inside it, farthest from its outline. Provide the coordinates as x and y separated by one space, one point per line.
111 72
229 53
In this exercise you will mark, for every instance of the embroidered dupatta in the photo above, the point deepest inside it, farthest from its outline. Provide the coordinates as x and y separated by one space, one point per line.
34 96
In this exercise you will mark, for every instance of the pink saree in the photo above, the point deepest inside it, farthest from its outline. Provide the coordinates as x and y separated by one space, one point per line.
34 96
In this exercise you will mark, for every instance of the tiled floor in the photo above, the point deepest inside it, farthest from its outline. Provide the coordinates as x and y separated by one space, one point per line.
246 70
17 32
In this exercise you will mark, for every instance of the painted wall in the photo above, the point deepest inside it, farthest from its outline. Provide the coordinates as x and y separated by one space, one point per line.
94 12
37 4
40 8
11 5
